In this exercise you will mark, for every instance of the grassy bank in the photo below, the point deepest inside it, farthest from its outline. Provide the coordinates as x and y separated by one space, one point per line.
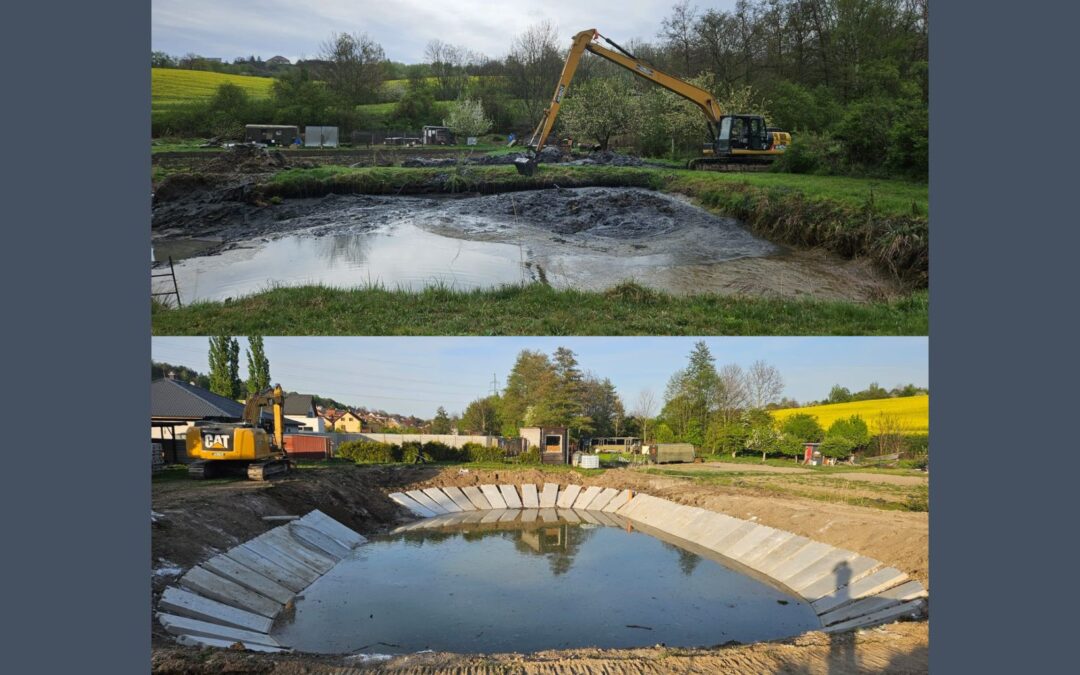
535 310
884 220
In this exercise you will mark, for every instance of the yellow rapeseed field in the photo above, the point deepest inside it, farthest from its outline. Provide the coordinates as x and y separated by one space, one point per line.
912 413
170 86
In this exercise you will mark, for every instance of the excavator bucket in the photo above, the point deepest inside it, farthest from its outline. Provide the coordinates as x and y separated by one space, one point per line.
526 166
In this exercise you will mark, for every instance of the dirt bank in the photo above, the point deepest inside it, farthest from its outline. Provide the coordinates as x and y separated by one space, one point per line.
193 521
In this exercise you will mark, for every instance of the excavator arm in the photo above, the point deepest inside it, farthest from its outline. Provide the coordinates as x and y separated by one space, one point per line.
270 397
586 41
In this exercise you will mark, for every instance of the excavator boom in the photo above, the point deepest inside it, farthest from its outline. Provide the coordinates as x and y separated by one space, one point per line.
586 40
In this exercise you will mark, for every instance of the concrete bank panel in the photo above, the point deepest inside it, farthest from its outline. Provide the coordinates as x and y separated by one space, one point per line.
411 504
872 584
834 564
327 525
857 568
427 502
618 501
295 549
476 497
494 496
548 495
510 496
567 496
209 585
442 499
182 625
459 498
602 499
320 541
530 498
250 579
281 560
199 641
911 609
874 603
586 496
185 603
268 568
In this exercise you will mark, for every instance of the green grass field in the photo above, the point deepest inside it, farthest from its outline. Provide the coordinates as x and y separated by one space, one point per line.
534 310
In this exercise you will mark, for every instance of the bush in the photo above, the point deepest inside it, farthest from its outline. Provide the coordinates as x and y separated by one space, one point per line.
530 456
812 153
369 451
411 451
475 452
442 452
804 428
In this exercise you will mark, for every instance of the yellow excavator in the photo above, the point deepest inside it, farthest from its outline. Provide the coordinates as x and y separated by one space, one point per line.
736 138
241 448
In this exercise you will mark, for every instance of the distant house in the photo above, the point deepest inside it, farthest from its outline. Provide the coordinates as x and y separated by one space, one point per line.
300 408
343 421
176 405
278 61
553 443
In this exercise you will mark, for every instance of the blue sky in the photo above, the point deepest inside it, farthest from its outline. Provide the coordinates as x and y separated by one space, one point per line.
231 28
418 374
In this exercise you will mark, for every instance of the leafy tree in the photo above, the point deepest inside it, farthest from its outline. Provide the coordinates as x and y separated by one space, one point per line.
441 423
598 109
481 416
839 394
530 381
664 434
803 427
845 436
417 107
300 99
726 437
692 395
258 366
224 366
466 118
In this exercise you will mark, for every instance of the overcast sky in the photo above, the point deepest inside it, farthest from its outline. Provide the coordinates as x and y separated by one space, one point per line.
232 28
417 375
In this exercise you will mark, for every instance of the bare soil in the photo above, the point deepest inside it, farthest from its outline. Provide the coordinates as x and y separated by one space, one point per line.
847 475
194 521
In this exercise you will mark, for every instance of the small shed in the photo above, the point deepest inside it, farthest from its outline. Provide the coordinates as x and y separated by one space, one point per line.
320 137
663 453
553 443
271 134
437 135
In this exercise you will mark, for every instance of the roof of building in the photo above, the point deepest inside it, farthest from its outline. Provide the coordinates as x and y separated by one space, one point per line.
177 399
299 404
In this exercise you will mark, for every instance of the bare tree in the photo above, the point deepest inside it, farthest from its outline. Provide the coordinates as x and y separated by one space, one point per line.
890 434
354 69
679 31
733 392
533 67
646 406
763 384
448 64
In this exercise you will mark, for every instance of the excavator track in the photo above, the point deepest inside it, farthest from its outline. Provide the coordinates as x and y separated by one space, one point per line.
266 470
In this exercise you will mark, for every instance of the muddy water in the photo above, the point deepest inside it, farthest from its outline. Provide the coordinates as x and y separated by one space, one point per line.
586 238
525 587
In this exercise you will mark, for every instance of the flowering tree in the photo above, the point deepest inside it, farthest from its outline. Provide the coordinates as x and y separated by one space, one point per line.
466 118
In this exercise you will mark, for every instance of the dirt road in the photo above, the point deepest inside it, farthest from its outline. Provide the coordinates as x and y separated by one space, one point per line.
193 521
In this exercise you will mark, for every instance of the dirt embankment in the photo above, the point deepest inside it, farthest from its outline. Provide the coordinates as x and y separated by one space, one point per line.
194 521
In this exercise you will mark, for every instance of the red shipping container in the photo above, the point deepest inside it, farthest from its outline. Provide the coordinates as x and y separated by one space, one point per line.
301 446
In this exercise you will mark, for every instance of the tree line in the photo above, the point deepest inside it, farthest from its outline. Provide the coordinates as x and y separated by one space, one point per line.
849 79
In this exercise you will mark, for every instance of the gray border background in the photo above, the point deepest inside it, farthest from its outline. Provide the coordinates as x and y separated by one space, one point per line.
1002 346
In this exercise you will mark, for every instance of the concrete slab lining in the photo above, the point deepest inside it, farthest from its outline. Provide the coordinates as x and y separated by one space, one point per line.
529 515
569 515
530 498
548 495
567 496
476 498
281 560
509 516
834 564
324 523
910 609
319 540
408 502
209 585
549 515
510 496
858 567
442 499
494 496
875 603
185 603
226 567
602 499
493 516
618 501
426 502
585 497
182 625
878 582
297 550
459 498
249 558
198 641
587 516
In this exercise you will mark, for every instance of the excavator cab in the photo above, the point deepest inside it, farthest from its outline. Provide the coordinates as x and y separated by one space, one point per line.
742 132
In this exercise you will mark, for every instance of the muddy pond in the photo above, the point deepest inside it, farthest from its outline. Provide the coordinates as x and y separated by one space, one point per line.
533 581
583 238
